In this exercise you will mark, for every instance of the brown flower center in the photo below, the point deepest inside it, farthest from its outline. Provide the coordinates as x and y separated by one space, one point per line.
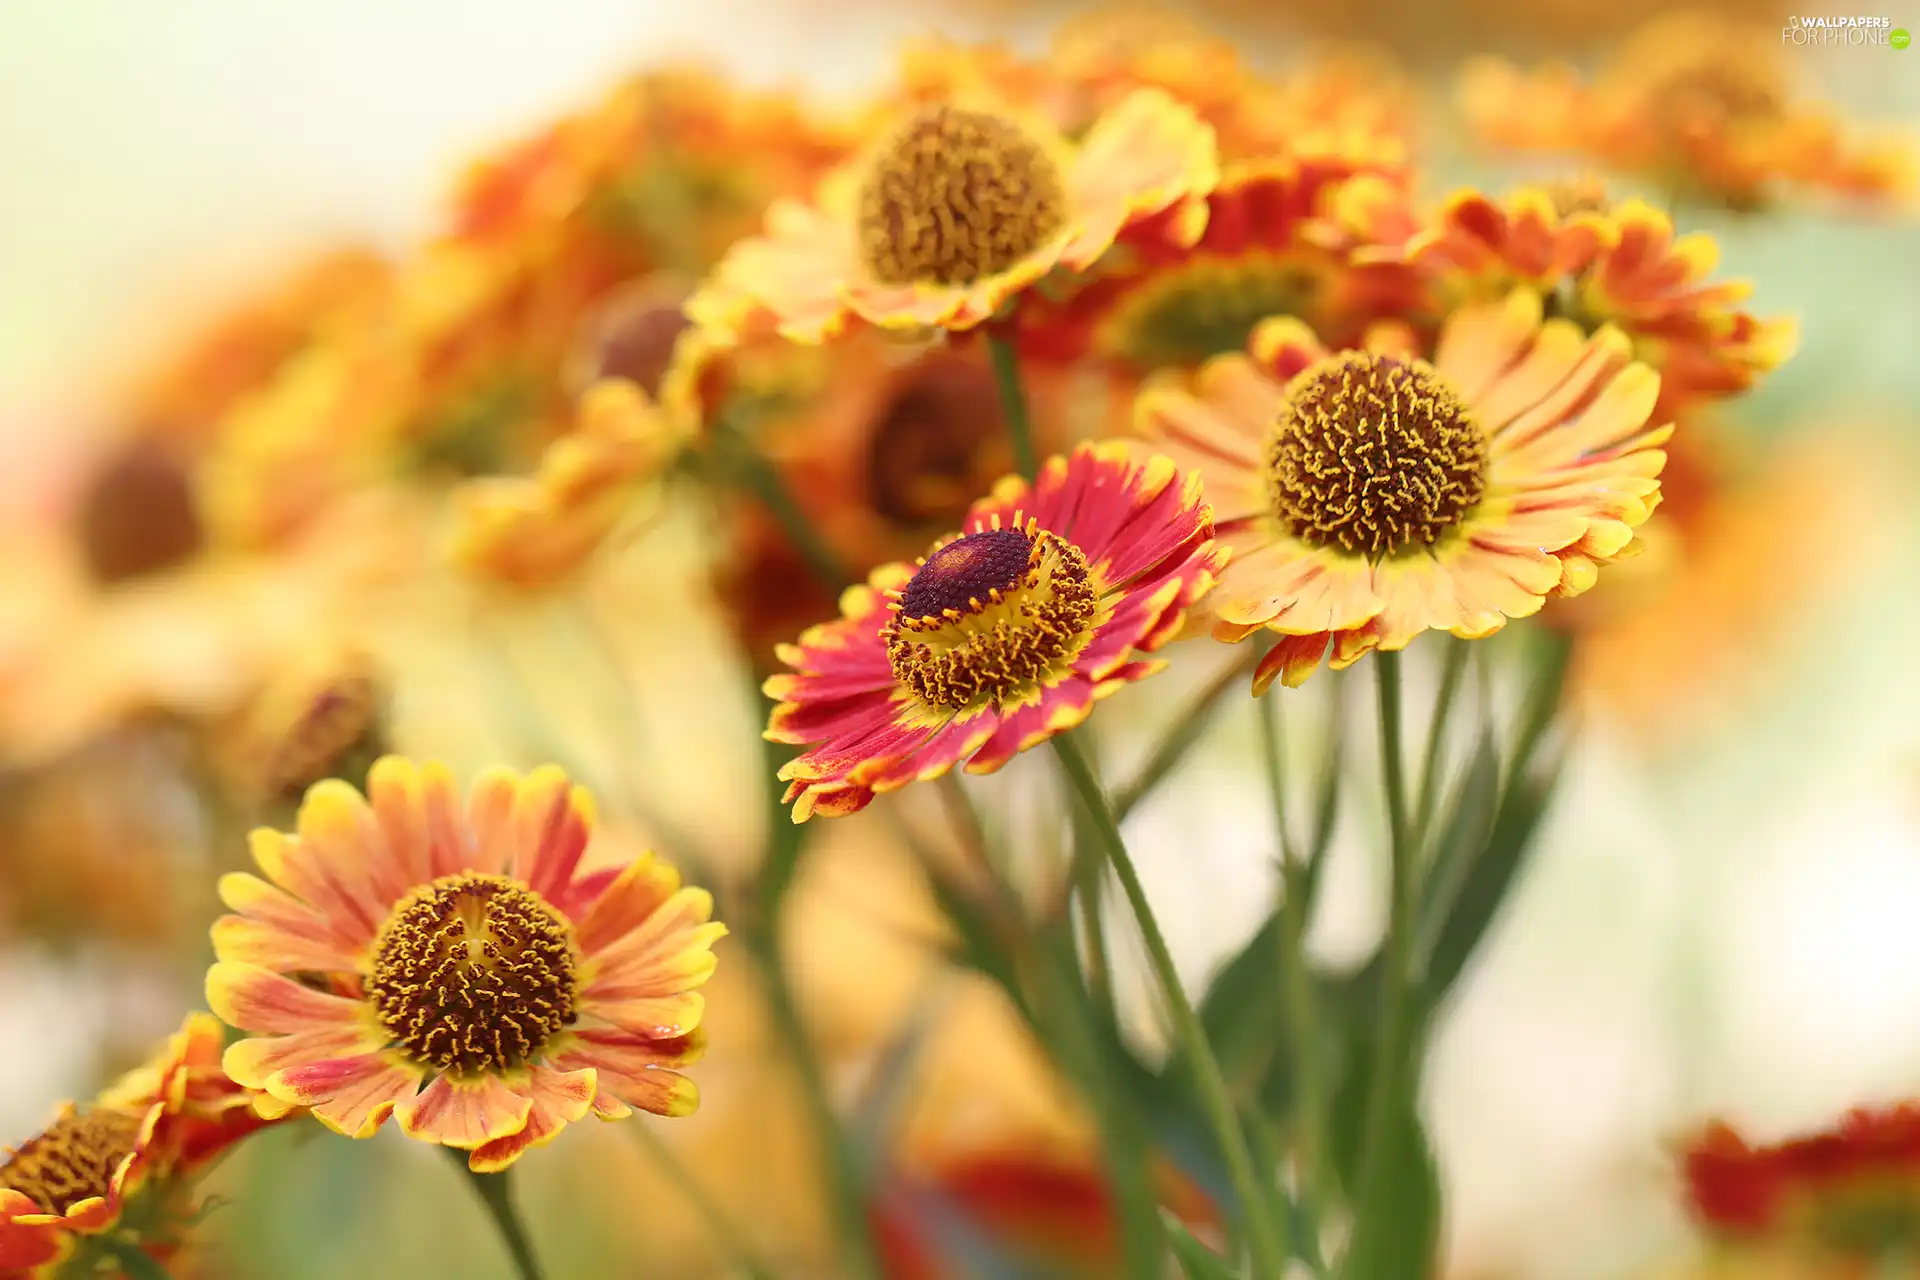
473 972
957 195
991 617
938 442
74 1159
138 516
1374 455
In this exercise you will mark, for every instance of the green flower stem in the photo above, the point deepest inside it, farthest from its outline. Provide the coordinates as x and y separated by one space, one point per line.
1187 729
496 1193
1309 1094
1013 402
1450 676
1398 954
761 478
727 1232
1269 1258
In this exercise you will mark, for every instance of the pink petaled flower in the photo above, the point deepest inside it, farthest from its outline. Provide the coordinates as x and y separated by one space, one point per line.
457 966
1002 636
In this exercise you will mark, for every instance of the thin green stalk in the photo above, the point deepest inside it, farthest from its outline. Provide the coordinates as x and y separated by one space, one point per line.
1396 987
1303 1022
1450 676
496 1194
726 1231
1187 729
1089 881
1269 1257
754 473
1013 402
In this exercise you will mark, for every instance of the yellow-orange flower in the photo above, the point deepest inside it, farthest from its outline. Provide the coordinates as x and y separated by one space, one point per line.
148 1132
456 966
533 531
1691 101
1368 495
957 211
1601 265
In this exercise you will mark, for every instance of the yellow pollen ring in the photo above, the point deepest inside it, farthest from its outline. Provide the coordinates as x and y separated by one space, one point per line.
991 618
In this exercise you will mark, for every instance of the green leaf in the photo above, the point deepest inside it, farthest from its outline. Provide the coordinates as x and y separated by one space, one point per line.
1461 841
1197 1262
1487 884
1398 1237
1243 1014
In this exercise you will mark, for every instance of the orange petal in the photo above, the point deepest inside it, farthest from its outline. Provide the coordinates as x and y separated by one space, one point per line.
254 1061
465 1113
353 1096
631 1074
559 1099
256 999
418 809
643 886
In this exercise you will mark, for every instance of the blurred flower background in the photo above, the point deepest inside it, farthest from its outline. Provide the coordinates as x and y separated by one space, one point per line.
292 299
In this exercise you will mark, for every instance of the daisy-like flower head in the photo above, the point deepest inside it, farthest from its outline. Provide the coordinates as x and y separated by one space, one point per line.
1849 1192
958 210
1001 636
1279 240
153 1128
1605 264
1695 101
533 531
458 966
1370 495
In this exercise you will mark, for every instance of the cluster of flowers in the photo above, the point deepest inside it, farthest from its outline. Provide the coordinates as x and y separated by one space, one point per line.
1036 366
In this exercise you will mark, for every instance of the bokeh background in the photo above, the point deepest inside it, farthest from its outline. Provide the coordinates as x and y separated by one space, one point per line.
1720 922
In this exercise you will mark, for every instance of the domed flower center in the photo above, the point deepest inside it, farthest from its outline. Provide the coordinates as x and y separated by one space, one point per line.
138 517
1374 455
957 195
473 972
938 443
990 617
73 1159
1211 307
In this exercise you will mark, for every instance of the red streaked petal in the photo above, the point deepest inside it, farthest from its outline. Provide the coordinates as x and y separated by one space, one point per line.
559 1099
465 1113
256 999
354 1095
